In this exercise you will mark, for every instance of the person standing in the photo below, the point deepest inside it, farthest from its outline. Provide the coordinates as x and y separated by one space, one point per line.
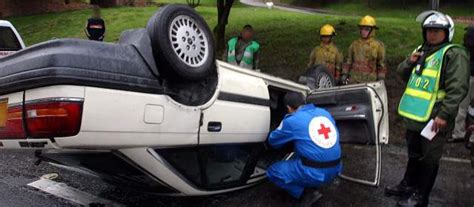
95 26
243 50
327 53
459 131
366 56
437 78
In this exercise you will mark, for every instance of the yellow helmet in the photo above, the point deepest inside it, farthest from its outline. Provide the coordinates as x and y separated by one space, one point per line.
367 21
327 30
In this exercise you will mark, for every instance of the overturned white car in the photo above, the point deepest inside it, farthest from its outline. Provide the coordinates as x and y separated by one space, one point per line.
157 111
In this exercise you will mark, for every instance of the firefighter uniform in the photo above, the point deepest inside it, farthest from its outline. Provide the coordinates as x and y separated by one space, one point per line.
366 57
315 137
327 54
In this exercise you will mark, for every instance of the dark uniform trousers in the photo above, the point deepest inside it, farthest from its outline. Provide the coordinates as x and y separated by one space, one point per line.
423 163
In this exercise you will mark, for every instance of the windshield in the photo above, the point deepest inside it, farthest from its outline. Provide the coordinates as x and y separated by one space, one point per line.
8 40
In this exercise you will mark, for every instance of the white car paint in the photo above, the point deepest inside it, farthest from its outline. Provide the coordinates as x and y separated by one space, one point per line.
8 25
135 124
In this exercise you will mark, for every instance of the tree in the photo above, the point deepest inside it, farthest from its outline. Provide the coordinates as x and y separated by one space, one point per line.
435 5
223 11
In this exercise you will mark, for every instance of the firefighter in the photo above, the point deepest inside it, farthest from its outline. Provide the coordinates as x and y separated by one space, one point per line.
366 56
327 53
243 50
437 78
95 26
312 132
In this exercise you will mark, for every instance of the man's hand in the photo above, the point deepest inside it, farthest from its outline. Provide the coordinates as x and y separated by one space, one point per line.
344 79
439 124
414 57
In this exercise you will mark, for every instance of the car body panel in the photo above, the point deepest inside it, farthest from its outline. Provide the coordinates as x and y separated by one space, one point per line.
8 25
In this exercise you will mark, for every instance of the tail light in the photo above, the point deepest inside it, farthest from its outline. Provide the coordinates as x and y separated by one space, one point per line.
13 123
52 118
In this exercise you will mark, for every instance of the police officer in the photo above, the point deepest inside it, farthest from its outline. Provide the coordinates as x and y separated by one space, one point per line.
366 56
327 53
438 80
315 138
243 50
95 26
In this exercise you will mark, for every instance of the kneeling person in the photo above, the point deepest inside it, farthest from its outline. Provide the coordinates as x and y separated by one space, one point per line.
315 138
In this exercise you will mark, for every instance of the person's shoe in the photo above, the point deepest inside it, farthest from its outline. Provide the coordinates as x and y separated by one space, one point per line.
455 139
415 200
311 198
401 189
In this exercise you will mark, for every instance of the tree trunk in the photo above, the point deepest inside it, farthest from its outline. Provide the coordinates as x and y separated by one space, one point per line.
435 5
223 11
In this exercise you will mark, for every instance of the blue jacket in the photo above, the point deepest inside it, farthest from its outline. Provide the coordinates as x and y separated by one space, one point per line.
313 132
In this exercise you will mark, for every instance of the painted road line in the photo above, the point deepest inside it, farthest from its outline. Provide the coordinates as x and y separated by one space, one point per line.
64 191
394 150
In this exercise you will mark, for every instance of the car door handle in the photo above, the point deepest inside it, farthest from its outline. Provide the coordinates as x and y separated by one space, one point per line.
214 126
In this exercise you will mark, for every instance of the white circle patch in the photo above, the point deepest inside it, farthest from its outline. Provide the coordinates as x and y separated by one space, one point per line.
322 132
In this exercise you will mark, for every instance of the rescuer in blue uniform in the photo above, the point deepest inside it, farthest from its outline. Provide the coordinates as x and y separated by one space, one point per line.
315 138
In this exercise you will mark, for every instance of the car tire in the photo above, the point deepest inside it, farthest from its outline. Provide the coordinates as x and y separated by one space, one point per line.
317 77
182 43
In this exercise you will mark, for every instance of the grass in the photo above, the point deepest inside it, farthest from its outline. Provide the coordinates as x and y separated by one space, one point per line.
286 38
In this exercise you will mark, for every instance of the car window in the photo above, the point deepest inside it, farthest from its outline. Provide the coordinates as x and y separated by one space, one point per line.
8 40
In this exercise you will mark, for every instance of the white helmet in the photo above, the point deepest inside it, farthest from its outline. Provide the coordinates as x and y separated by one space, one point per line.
435 19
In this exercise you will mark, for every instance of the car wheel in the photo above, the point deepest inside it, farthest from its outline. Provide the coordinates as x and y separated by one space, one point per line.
182 43
317 77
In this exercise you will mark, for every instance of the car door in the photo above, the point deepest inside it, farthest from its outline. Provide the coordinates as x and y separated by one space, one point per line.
361 114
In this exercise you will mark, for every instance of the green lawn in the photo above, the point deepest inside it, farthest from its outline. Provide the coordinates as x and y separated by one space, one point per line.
286 38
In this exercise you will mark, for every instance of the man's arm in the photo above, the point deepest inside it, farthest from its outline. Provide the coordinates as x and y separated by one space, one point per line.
404 69
104 31
281 136
346 68
256 60
86 30
311 57
224 56
339 60
381 67
456 82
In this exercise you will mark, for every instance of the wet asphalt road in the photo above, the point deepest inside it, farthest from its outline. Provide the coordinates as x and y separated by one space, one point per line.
454 187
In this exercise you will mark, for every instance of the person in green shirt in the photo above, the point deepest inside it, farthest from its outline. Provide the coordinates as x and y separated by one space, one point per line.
243 50
437 75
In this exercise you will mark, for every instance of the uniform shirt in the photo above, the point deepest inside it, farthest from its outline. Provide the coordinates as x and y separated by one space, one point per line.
454 80
95 29
365 61
310 141
329 55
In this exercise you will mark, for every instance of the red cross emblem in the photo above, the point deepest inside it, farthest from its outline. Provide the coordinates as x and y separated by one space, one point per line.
324 131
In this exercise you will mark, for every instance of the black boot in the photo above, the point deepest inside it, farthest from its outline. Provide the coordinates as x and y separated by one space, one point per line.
402 189
415 200
407 185
422 195
310 198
